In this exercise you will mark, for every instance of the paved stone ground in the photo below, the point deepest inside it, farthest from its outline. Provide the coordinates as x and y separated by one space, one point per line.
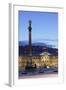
40 76
40 71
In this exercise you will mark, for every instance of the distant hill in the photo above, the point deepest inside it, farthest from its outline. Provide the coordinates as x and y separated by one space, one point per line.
25 43
37 48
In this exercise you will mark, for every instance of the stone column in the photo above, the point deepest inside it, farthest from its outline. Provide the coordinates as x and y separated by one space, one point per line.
29 62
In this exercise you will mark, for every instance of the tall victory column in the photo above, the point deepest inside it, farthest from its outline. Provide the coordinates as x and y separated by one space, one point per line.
29 62
30 44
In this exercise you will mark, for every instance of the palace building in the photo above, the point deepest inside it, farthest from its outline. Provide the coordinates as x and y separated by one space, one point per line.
39 58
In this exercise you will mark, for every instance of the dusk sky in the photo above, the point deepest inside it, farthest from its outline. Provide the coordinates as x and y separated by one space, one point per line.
44 26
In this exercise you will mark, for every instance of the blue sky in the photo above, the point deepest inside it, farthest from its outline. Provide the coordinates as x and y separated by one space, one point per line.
44 26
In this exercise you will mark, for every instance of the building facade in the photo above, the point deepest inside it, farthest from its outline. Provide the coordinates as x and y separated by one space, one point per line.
45 59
